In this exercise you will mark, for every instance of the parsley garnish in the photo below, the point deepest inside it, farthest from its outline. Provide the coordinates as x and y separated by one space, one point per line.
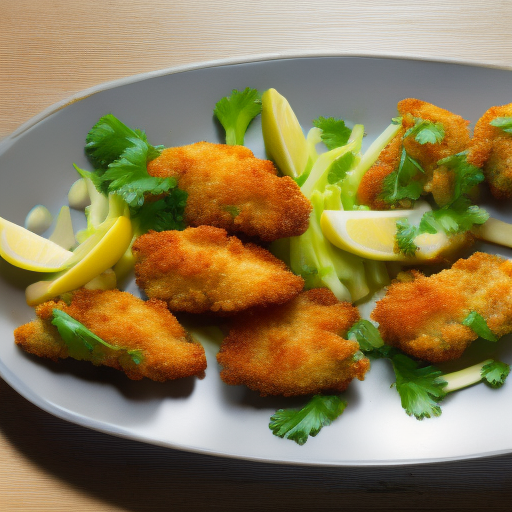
334 132
467 175
426 131
81 342
478 325
401 184
109 138
236 112
298 425
505 123
340 167
495 373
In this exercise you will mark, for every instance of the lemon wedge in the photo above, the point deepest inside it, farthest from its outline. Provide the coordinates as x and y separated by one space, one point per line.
285 142
371 234
25 249
97 254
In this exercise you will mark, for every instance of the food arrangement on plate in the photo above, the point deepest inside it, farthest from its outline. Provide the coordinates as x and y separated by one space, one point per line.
283 251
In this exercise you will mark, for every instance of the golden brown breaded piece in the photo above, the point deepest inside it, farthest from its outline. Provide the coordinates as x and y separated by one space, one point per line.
491 150
294 349
202 269
123 320
436 180
423 315
231 189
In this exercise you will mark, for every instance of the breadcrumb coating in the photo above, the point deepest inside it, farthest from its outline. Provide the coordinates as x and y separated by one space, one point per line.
228 187
437 180
122 320
296 348
491 150
423 315
203 269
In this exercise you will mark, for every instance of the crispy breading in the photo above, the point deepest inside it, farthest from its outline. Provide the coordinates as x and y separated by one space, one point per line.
437 180
123 320
229 188
423 315
203 269
491 150
296 348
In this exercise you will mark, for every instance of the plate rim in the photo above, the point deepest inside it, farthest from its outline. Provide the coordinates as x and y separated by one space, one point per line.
107 428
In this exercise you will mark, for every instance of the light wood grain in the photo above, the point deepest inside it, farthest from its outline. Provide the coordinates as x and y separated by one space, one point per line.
50 49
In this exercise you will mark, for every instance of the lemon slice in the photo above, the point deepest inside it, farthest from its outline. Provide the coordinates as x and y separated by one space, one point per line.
99 256
371 234
25 249
285 142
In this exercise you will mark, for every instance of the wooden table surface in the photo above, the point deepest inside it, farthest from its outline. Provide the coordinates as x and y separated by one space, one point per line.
50 49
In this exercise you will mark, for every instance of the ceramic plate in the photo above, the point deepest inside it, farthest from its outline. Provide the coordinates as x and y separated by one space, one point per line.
175 108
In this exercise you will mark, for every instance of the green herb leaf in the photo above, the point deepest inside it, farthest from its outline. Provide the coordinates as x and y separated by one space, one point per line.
340 167
402 183
298 425
405 235
162 215
426 131
81 342
367 335
467 175
505 123
334 132
109 138
477 324
420 388
236 112
495 373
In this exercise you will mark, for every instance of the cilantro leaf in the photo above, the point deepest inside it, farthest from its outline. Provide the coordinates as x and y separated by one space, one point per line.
426 131
340 167
401 184
109 138
334 132
128 176
162 215
495 373
405 235
367 335
81 342
298 425
420 388
467 175
235 113
478 325
505 123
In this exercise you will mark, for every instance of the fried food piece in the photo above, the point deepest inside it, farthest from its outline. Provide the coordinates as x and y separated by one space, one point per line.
294 349
123 320
491 150
423 315
437 180
231 189
202 269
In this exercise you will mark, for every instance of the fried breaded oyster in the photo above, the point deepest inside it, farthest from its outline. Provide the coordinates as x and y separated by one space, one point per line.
228 187
435 179
296 348
423 316
491 150
203 269
149 340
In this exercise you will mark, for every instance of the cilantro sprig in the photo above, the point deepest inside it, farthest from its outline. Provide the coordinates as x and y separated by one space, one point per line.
120 156
334 131
298 425
505 123
495 373
403 183
235 113
476 322
426 131
81 342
